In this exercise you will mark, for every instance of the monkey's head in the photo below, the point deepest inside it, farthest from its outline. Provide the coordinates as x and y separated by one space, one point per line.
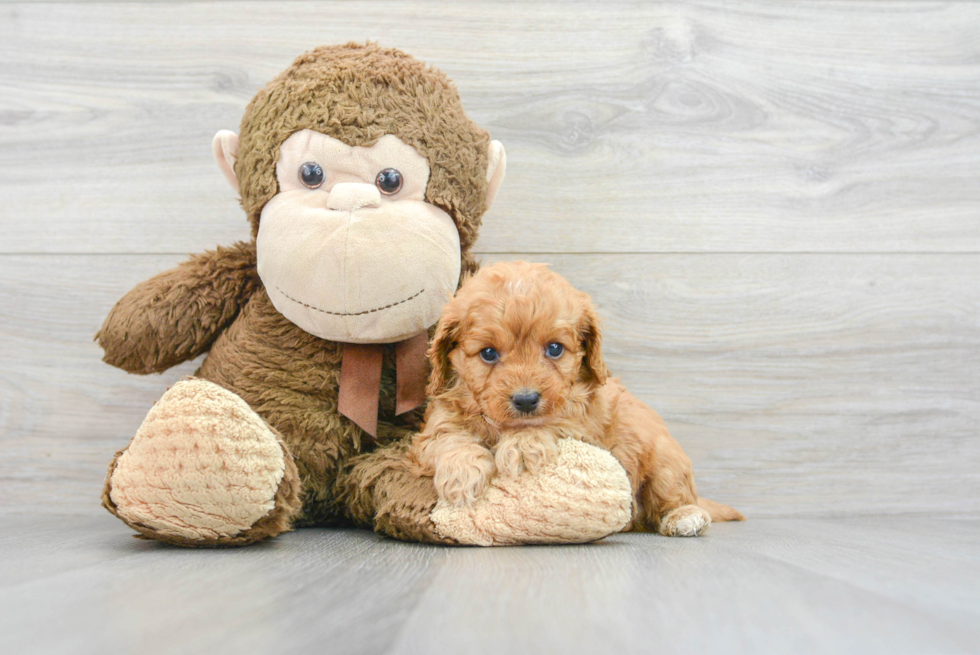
365 184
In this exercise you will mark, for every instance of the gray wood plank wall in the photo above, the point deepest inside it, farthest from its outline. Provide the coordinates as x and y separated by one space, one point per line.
776 206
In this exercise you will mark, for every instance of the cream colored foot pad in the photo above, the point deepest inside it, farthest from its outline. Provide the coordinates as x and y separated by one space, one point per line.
203 465
582 496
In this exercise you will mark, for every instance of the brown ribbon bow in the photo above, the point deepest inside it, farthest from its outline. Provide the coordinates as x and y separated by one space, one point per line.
360 379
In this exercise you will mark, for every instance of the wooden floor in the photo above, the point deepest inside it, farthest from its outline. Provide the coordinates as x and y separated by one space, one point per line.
857 585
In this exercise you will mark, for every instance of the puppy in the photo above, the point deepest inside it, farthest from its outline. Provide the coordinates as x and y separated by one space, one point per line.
516 365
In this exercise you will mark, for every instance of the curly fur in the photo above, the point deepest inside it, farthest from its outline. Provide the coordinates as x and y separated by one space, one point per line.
473 431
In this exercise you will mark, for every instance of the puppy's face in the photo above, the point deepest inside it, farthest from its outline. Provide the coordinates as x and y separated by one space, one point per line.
519 341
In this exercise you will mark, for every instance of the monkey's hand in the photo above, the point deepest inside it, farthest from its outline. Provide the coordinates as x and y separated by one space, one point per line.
177 315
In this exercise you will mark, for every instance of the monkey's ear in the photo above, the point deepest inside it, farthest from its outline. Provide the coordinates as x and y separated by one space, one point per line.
225 149
496 166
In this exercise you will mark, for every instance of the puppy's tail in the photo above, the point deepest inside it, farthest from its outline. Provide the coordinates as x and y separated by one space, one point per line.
720 512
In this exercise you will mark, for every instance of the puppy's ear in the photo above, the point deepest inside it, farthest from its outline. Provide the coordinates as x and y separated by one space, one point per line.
444 340
593 366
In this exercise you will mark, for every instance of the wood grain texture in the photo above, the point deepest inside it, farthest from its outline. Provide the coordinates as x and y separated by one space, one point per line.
640 127
888 585
799 385
334 591
725 593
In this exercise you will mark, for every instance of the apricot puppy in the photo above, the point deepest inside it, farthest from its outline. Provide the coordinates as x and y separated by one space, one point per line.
516 365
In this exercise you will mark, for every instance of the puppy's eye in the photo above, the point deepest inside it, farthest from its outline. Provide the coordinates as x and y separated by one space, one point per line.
489 355
389 181
311 175
554 350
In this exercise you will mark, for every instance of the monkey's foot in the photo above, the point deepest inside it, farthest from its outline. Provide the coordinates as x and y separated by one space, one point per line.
203 470
581 495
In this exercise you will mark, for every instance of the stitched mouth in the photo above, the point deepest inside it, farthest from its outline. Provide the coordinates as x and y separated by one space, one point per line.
367 311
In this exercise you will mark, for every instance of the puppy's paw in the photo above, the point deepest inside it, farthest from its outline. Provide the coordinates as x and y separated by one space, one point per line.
524 451
508 458
685 521
462 479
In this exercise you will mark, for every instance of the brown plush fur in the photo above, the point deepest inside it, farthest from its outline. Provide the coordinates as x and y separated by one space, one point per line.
473 430
177 315
216 302
384 488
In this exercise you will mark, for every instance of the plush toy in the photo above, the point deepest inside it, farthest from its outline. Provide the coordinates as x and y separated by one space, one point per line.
364 183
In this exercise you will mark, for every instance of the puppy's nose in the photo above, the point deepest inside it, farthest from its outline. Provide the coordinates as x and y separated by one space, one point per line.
525 401
350 196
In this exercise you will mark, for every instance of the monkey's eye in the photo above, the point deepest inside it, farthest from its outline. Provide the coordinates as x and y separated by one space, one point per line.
489 355
554 350
389 181
311 175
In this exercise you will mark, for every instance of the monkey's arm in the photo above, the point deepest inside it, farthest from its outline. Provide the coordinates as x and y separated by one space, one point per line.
178 314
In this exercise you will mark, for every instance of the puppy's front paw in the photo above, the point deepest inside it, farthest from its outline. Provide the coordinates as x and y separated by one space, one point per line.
463 478
529 451
685 521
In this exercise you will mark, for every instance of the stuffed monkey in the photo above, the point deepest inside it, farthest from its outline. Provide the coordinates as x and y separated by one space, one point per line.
364 183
